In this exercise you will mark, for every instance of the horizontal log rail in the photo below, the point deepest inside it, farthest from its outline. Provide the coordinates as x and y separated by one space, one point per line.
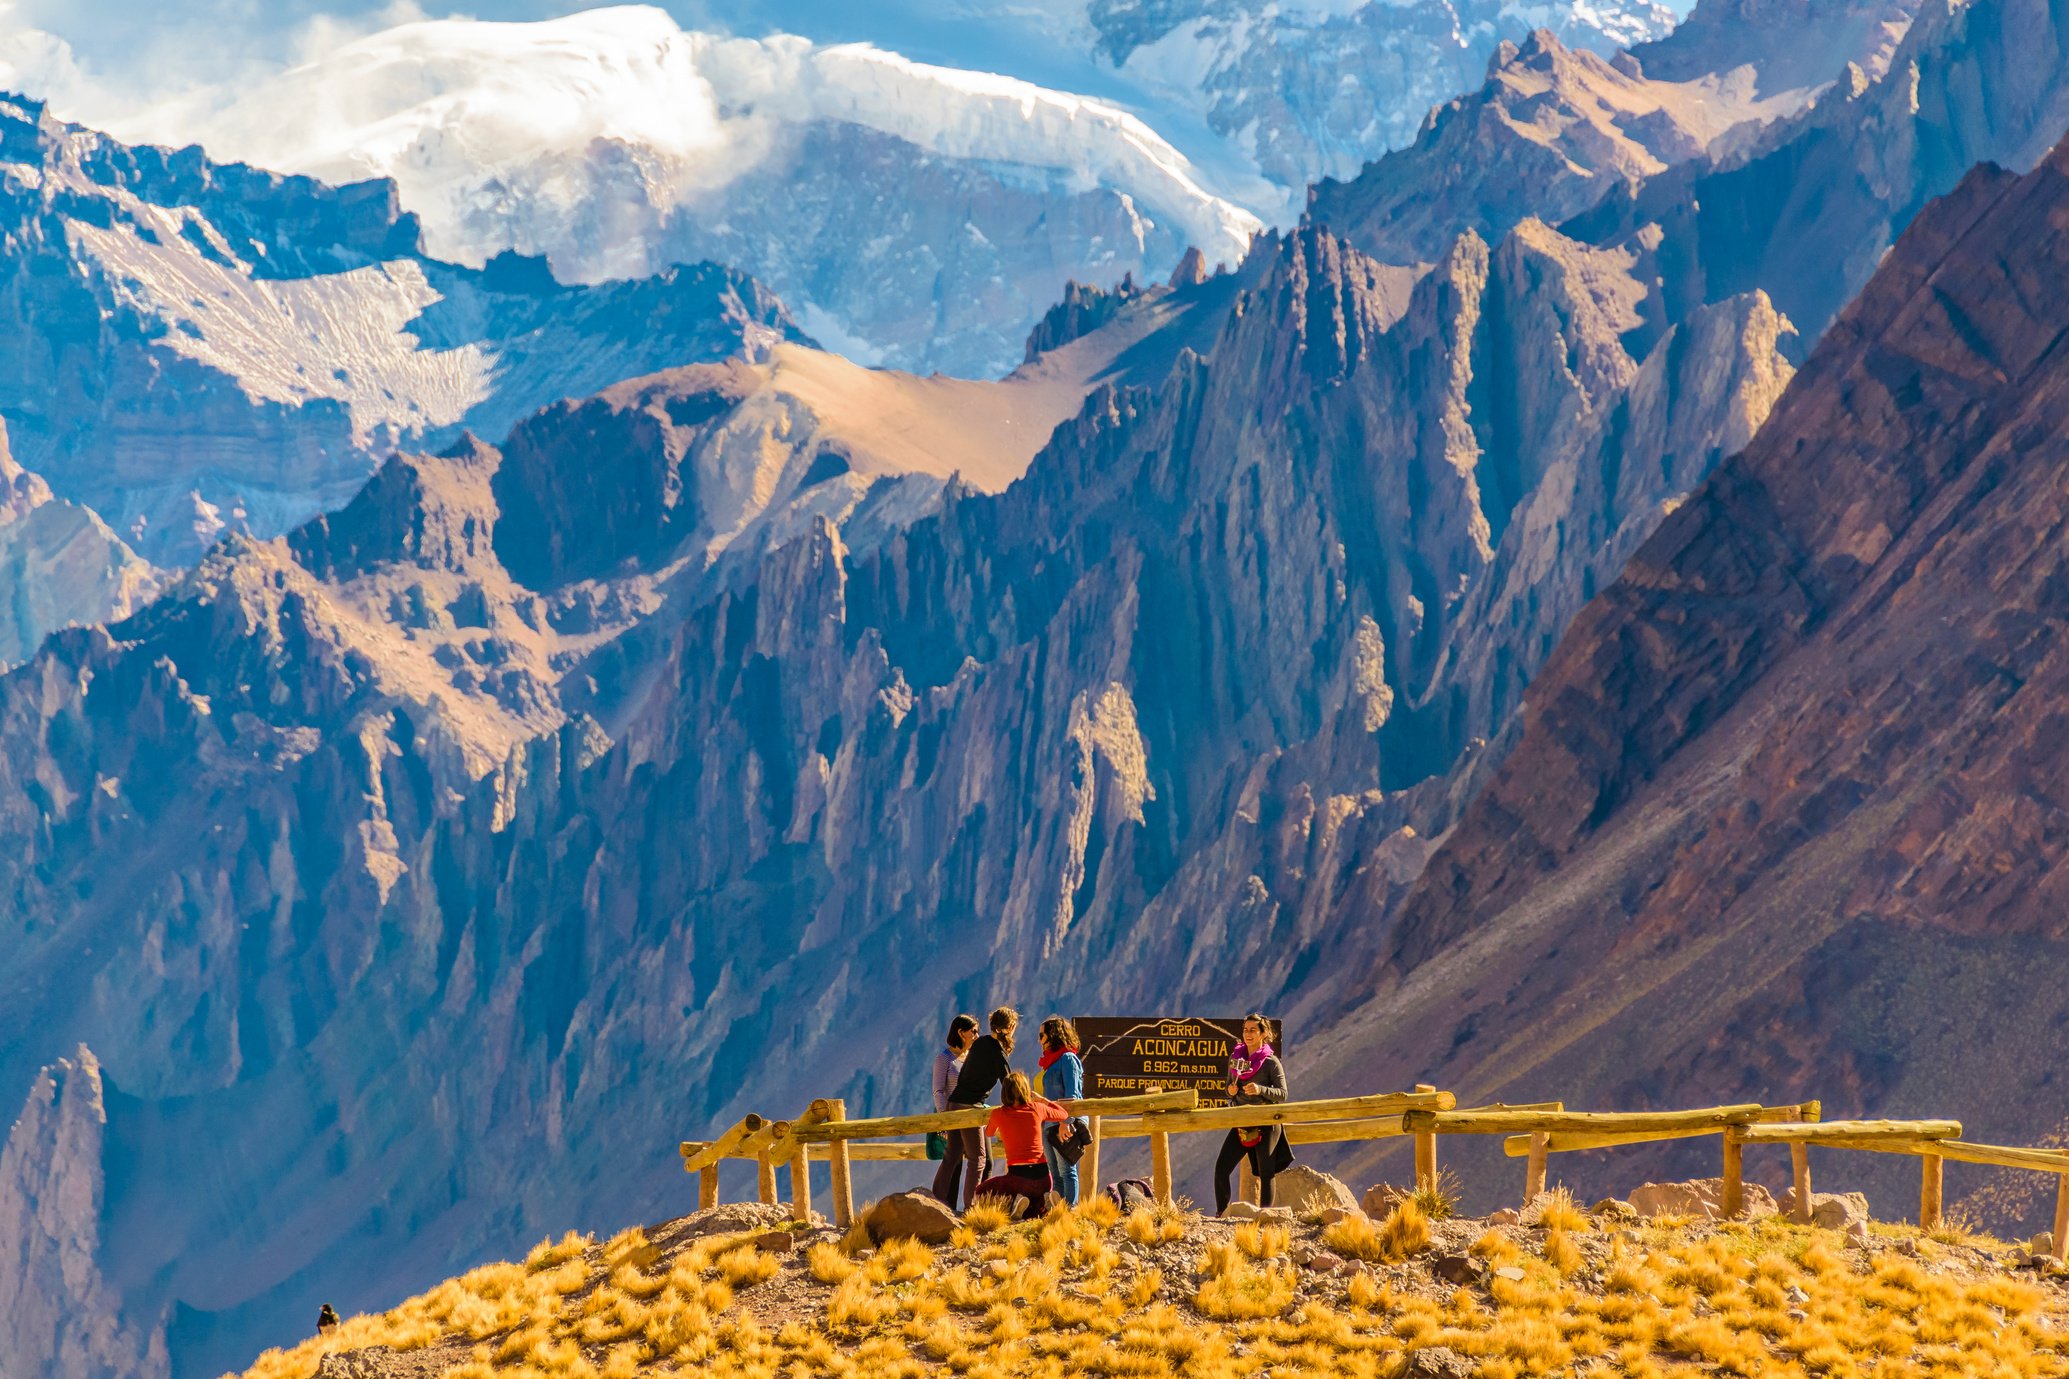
1847 1130
883 1127
1569 1141
1551 1122
725 1144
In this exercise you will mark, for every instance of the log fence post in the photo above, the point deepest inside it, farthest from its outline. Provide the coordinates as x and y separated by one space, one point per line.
1734 1176
1088 1167
843 1186
707 1186
766 1176
1534 1176
1799 1166
1929 1193
1425 1152
1159 1161
2062 1216
801 1187
1246 1182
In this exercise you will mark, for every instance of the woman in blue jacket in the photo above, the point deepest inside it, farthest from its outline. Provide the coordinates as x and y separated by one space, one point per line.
1063 1079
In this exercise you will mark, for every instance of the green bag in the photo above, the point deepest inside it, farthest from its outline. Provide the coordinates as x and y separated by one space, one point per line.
937 1145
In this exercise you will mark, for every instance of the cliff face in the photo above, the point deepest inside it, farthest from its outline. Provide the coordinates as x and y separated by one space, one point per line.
59 564
59 1317
479 824
1787 817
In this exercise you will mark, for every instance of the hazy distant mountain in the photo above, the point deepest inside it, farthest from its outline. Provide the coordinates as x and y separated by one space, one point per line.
916 216
196 348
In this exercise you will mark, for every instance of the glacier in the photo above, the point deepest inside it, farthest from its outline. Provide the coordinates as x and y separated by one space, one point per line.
615 143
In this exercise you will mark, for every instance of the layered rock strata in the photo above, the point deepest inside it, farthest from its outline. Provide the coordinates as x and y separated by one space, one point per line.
1787 817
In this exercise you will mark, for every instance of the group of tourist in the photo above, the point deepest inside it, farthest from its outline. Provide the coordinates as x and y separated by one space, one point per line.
1044 1141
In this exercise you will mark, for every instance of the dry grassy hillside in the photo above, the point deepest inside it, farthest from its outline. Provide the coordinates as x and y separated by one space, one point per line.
732 1291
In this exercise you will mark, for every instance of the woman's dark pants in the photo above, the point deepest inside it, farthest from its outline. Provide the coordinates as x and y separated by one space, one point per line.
966 1146
1233 1152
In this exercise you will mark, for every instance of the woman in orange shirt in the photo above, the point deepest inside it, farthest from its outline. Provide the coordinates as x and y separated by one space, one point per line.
1018 1122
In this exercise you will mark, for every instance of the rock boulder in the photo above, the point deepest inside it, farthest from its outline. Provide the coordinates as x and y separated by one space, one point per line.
1304 1189
1438 1362
1700 1197
915 1215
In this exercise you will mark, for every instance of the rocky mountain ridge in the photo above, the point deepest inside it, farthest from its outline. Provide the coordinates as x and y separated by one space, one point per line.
1805 740
483 746
1801 207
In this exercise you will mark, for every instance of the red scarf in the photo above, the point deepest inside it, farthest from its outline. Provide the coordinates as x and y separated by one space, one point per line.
1052 1056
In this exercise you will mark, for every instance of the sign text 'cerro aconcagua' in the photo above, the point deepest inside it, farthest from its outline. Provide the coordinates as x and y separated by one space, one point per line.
1123 1057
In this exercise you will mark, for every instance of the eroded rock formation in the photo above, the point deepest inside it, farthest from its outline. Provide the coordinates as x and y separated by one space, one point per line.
1787 816
483 824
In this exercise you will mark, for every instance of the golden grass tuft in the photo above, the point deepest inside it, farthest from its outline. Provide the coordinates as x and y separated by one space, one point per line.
987 1217
1245 1291
745 1266
546 1254
1437 1200
1406 1231
1561 1253
1355 1237
1559 1211
1261 1241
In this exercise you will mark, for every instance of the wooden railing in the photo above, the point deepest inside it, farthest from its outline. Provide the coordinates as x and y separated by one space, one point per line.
824 1134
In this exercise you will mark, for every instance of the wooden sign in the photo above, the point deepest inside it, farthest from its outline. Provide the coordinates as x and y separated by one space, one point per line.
1124 1057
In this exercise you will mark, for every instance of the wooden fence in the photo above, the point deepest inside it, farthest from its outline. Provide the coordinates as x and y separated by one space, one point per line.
824 1134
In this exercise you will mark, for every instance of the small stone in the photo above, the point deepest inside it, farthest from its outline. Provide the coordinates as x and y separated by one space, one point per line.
1507 1216
1834 1211
774 1242
1797 1314
1910 1246
1460 1269
1324 1262
999 1268
1283 1215
1796 1294
1239 1211
1614 1209
2042 1244
1510 1272
1329 1216
1438 1362
1857 1234
1381 1198
1301 1254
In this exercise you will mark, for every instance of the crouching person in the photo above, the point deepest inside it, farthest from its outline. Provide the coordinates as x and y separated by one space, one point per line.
1018 1121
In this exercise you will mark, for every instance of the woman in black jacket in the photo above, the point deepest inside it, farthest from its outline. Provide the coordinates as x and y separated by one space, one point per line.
983 1068
1255 1078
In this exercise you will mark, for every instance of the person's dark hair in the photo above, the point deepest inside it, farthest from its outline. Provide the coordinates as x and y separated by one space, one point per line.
1015 1090
1262 1023
961 1025
1002 1022
1059 1033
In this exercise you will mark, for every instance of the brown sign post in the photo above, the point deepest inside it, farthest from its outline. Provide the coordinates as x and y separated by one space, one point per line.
1125 1056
